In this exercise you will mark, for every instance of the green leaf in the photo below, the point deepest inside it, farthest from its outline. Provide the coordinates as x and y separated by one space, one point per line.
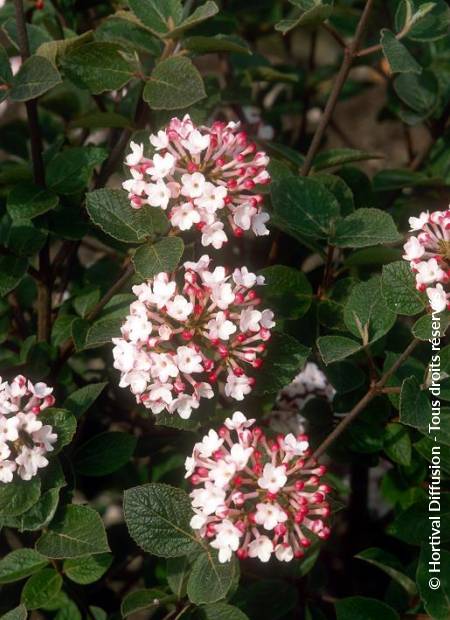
393 179
418 92
24 239
175 83
26 201
157 516
398 287
436 601
339 157
18 496
335 348
70 170
19 564
81 400
218 43
201 13
340 190
101 332
365 313
287 291
40 514
41 588
399 58
125 29
64 424
362 608
55 50
162 256
222 611
105 453
397 443
98 66
365 227
312 13
390 565
112 212
428 327
430 19
35 77
284 359
209 580
415 408
76 531
18 613
87 569
157 14
177 575
413 524
12 271
304 206
36 34
429 446
139 600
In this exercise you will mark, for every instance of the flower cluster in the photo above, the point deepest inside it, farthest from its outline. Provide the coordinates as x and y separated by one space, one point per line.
428 251
254 496
24 440
179 339
309 383
205 176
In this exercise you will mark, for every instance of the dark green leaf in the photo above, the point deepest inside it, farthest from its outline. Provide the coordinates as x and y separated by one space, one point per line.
390 565
142 599
209 580
41 588
218 43
105 453
362 608
162 256
19 564
222 611
287 291
397 443
200 14
431 326
365 314
335 348
63 423
413 524
26 201
285 358
76 531
418 92
79 401
112 212
158 518
339 157
157 14
18 496
304 206
399 58
70 171
436 601
399 289
99 66
311 13
35 77
415 408
12 270
18 613
175 83
87 569
365 227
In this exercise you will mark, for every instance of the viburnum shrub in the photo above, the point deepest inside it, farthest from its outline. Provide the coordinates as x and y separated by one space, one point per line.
224 271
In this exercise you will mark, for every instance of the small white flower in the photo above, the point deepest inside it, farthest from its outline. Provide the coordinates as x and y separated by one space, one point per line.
162 165
249 320
284 552
158 194
222 472
45 437
7 469
226 540
196 142
261 548
214 235
413 249
220 327
237 387
29 461
437 298
137 153
239 455
417 223
183 405
159 140
293 446
273 478
184 216
192 185
180 308
209 498
269 515
209 444
163 366
429 272
259 224
238 421
212 197
188 360
223 295
244 277
267 319
243 215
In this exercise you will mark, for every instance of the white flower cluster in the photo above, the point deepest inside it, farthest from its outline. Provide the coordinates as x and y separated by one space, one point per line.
205 176
428 252
178 340
254 496
24 440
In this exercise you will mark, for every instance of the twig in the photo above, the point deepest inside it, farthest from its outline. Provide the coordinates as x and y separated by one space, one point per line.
44 302
349 55
334 33
378 47
375 389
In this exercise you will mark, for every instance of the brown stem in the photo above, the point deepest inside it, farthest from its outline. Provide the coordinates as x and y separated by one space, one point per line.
334 33
44 304
349 54
374 390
